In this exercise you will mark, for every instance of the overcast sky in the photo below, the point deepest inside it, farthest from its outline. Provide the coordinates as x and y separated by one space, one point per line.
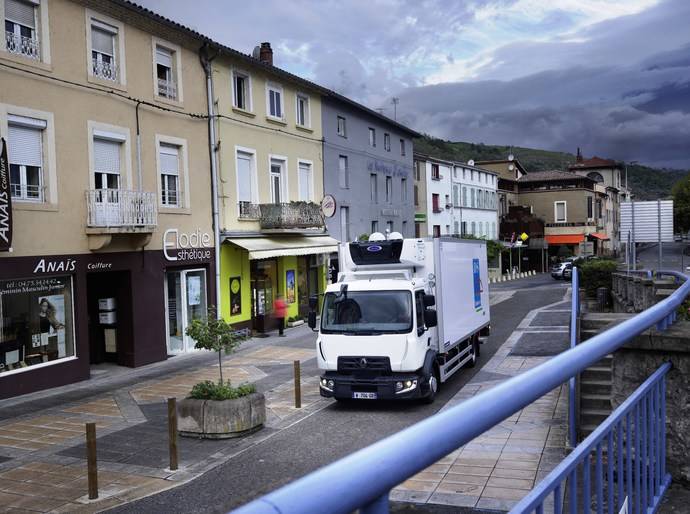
612 77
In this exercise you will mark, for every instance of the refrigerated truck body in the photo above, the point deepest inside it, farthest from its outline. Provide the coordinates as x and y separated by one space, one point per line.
404 316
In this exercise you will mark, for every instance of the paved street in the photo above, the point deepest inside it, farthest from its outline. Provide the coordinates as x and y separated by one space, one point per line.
672 256
128 407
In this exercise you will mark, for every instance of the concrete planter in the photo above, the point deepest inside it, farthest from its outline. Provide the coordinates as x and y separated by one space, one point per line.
221 419
295 323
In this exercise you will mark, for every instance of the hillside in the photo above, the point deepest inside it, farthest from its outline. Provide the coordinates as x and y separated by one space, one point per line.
646 183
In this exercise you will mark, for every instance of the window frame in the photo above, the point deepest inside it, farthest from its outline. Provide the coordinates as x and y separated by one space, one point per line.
23 168
41 36
374 187
276 88
309 163
253 177
386 141
238 72
118 47
403 150
344 172
176 70
97 130
565 211
184 200
403 189
372 137
343 132
307 115
284 172
389 189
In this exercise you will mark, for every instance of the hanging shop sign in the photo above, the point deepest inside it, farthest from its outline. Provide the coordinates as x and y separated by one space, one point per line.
328 206
5 200
181 246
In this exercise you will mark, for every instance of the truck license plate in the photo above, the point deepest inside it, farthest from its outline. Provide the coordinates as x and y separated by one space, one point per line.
365 396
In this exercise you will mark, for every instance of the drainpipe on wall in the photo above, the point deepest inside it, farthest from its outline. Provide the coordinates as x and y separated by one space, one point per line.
206 59
140 180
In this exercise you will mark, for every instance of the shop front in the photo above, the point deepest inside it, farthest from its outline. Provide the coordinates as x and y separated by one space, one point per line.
61 314
256 270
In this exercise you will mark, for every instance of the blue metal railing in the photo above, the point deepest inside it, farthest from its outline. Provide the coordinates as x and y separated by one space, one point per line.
364 479
633 439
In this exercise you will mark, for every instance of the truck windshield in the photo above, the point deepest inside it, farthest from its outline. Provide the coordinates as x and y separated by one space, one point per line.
367 312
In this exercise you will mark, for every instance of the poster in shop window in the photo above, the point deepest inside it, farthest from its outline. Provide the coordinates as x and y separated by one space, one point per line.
193 290
51 316
5 200
290 285
235 295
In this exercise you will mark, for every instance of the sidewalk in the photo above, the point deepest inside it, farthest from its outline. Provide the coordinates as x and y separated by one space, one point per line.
42 451
501 466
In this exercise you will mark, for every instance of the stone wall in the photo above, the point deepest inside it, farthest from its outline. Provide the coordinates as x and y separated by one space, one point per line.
635 293
636 361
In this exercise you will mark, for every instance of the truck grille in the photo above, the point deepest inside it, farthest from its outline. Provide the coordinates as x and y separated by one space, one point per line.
351 365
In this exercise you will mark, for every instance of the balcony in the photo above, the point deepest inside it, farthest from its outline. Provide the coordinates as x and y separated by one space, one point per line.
26 46
167 89
116 211
293 216
249 211
105 70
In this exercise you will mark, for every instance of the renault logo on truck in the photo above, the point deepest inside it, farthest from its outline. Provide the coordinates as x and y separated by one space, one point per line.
362 363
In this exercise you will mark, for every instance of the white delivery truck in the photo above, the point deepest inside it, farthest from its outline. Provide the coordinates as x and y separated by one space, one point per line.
404 316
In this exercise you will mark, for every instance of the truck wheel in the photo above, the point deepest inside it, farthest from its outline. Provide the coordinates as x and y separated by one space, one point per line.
434 381
474 354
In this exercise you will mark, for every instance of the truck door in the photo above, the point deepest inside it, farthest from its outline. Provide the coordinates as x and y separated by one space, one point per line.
419 313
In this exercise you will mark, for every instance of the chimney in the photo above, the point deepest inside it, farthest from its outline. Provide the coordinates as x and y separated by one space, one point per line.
266 54
579 155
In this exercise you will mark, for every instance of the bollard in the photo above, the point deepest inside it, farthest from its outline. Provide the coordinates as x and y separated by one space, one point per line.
91 463
298 386
172 432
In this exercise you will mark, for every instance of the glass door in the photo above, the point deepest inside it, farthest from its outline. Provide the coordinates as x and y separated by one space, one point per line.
186 301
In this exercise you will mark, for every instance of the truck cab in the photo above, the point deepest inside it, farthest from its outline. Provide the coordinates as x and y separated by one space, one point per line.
378 335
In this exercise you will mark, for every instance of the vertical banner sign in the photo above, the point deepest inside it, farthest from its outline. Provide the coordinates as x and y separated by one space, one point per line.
5 200
477 284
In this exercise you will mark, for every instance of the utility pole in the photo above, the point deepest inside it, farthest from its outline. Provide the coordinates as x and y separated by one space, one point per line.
395 101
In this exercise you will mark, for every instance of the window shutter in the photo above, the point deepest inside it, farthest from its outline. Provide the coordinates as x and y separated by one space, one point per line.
20 12
106 156
164 57
169 159
101 41
244 177
25 145
304 181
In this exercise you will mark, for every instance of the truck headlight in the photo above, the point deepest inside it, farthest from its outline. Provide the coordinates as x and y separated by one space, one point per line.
327 384
405 387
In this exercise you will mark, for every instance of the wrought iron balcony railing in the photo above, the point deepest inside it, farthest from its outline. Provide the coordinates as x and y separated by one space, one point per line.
293 215
249 211
120 208
167 89
26 46
105 70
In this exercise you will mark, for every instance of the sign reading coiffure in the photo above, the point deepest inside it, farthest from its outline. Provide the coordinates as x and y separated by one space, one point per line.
5 200
181 246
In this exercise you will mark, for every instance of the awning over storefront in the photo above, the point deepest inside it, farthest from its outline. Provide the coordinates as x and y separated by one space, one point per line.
565 239
600 235
267 247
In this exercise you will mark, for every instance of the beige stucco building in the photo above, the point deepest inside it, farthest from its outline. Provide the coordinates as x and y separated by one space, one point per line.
103 107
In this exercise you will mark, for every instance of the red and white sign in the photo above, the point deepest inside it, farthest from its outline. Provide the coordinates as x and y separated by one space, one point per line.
328 206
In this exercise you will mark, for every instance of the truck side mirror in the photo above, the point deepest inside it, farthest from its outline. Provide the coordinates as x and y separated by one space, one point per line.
429 300
313 302
430 318
311 320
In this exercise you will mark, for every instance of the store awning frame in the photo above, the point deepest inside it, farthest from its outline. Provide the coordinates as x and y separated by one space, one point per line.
268 247
601 236
564 239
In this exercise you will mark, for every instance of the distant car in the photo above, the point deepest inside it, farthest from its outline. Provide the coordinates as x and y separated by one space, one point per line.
557 270
678 238
567 271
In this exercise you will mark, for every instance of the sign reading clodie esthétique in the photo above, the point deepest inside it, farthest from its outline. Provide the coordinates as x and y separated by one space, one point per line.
181 246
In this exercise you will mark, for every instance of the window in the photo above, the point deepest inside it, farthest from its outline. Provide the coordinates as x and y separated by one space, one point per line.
481 229
246 192
372 137
598 208
343 173
464 196
493 230
456 227
456 196
276 180
387 142
480 198
107 164
464 173
345 223
474 229
37 322
389 227
418 171
463 227
590 208
403 190
374 226
342 129
404 228
435 175
104 64
472 198
447 229
305 181
303 115
447 201
165 72
275 101
241 90
25 140
20 29
437 231
373 182
435 202
169 156
389 189
416 195
560 212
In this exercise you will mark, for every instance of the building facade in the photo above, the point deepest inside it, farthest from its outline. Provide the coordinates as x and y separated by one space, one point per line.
271 183
102 109
367 170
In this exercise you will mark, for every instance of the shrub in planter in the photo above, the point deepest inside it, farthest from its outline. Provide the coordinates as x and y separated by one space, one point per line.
595 274
216 409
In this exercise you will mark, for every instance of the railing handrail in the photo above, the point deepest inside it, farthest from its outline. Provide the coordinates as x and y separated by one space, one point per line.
358 479
537 495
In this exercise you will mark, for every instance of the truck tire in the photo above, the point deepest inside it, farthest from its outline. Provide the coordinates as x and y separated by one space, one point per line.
474 353
434 381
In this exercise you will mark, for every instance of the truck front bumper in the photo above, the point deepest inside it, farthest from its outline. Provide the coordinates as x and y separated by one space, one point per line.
389 387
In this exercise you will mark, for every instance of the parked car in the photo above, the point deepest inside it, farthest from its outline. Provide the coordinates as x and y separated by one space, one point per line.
568 271
557 270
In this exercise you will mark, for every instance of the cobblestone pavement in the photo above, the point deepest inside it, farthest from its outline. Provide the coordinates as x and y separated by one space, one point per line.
495 470
42 452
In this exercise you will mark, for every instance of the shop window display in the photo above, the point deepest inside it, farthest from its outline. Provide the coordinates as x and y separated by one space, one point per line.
36 324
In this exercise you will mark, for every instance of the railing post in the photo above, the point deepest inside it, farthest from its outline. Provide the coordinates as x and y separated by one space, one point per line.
572 383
